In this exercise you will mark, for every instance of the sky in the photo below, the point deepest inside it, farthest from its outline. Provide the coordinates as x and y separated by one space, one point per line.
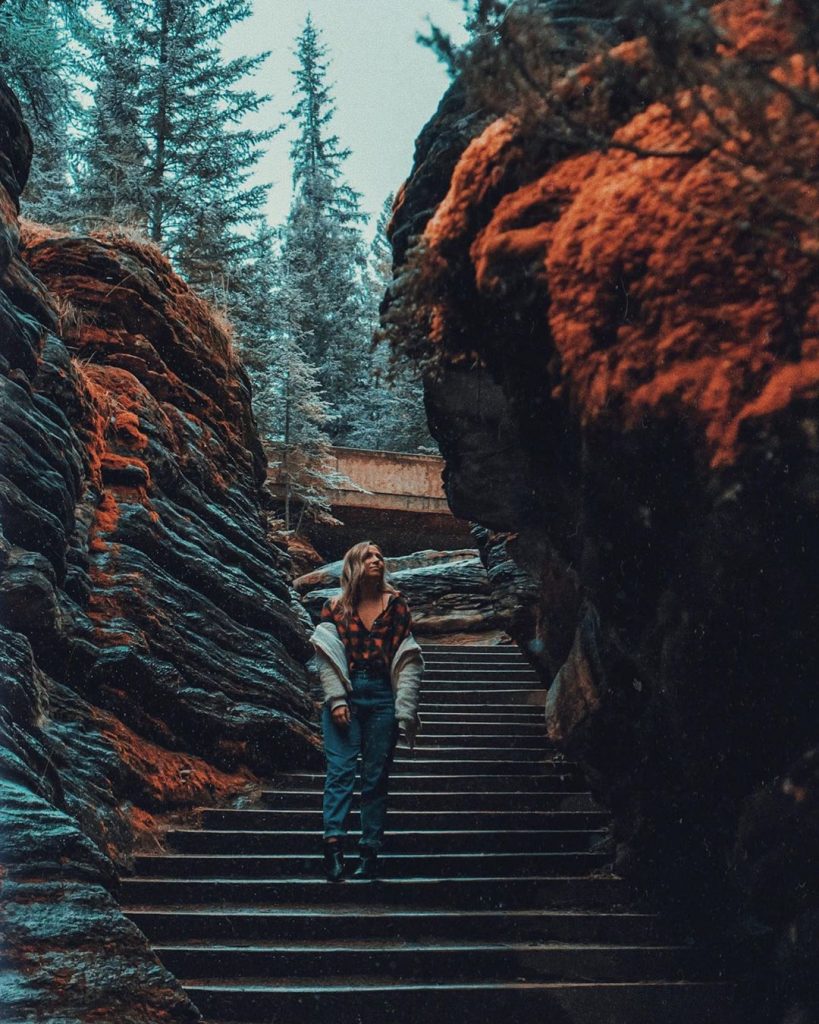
386 86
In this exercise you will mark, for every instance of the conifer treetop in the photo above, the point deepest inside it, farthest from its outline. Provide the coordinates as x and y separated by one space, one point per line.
316 154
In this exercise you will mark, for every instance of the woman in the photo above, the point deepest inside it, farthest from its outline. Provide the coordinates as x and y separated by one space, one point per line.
370 668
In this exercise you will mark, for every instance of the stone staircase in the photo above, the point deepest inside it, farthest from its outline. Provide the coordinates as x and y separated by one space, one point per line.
493 902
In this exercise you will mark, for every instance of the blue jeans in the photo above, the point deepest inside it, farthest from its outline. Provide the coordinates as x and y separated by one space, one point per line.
371 735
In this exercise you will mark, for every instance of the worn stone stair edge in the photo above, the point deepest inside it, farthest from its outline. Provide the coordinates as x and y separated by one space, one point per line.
390 946
499 881
389 913
562 833
380 984
393 863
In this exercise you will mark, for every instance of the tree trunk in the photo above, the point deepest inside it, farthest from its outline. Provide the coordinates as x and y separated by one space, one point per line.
161 133
285 460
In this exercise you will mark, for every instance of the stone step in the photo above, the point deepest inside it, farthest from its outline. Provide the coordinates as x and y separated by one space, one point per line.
347 1001
464 803
482 695
489 750
457 961
430 688
409 841
362 922
502 731
455 755
477 674
471 650
527 715
447 819
432 663
470 741
474 893
483 712
493 902
527 705
270 867
430 647
421 780
435 763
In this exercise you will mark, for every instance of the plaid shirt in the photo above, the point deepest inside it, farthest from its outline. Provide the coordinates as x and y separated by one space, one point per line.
372 649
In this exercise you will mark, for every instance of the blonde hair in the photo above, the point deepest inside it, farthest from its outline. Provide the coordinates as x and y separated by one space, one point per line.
352 569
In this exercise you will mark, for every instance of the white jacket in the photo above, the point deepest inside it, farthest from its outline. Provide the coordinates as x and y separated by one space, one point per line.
406 670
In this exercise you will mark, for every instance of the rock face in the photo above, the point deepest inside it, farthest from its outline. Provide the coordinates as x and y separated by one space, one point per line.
448 592
152 655
625 321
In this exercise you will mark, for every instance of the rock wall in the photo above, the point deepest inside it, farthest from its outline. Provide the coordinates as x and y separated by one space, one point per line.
152 652
613 282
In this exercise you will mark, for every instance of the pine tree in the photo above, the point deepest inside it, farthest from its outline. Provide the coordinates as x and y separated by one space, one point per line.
393 415
38 62
182 161
200 160
113 183
315 154
254 322
322 250
290 412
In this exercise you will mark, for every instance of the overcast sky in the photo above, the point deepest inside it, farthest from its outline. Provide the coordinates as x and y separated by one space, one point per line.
386 86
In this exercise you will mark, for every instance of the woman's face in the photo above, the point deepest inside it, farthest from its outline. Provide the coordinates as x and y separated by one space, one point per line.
373 563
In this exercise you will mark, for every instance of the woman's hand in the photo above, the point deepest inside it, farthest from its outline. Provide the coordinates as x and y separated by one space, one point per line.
341 714
407 734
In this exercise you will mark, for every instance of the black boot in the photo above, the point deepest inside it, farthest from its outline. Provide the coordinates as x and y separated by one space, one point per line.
366 866
334 861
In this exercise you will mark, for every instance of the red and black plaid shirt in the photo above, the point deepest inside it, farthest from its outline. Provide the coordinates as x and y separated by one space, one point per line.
371 649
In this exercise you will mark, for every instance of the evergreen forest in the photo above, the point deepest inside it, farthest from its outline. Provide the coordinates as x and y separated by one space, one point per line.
139 125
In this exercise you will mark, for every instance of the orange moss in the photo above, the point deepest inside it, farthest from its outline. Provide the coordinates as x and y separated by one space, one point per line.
33 231
144 824
8 218
131 307
674 284
168 778
119 399
103 607
437 323
105 521
788 384
397 203
632 51
757 29
665 298
515 242
478 173
95 426
127 426
113 462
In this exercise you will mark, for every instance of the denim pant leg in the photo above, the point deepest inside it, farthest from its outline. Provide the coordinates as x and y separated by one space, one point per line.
379 733
341 748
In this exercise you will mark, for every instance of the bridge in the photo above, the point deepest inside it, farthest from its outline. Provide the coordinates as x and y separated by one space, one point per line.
392 498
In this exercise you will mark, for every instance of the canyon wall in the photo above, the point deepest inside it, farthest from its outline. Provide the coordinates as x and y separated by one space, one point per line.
152 651
609 270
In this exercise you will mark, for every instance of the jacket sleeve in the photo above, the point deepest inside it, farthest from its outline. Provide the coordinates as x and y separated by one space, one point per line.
332 687
407 694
